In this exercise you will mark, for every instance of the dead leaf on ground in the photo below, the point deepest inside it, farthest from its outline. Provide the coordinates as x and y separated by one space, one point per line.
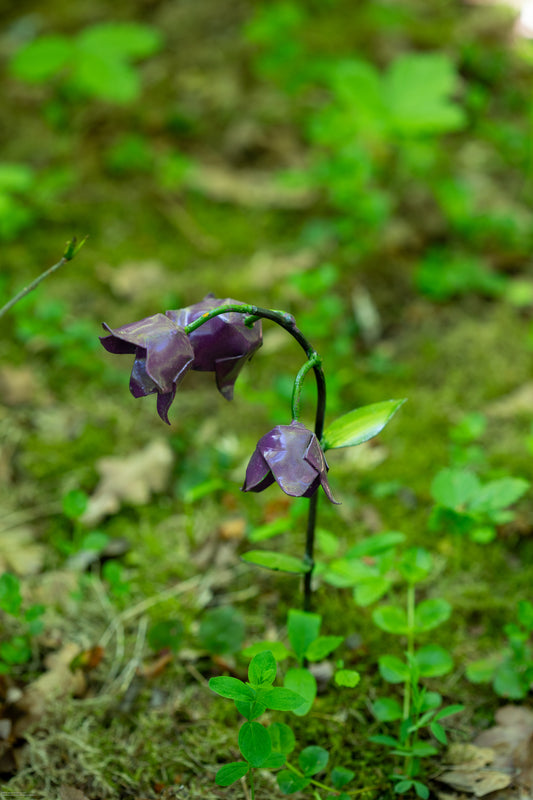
129 479
19 553
57 682
500 758
251 189
473 770
19 386
520 401
71 793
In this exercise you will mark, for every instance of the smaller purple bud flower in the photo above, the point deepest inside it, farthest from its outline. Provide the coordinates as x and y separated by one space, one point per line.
221 345
290 455
163 355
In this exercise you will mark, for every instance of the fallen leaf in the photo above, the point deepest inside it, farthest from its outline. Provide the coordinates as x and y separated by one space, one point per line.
19 553
520 401
248 188
129 479
58 681
70 793
472 770
512 741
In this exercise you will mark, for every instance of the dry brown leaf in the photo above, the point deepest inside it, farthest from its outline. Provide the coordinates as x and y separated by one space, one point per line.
520 401
71 793
251 189
58 681
512 741
19 553
129 479
473 770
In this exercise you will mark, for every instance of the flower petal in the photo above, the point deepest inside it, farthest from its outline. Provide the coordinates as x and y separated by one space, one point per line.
258 475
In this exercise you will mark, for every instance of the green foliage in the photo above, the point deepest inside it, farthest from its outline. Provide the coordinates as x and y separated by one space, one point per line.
167 633
97 63
466 505
443 275
360 425
510 671
17 649
221 630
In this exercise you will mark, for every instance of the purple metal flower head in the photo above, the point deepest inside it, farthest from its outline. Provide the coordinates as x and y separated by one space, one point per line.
163 354
290 455
222 345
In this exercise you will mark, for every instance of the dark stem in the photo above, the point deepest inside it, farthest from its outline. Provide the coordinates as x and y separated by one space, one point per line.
314 361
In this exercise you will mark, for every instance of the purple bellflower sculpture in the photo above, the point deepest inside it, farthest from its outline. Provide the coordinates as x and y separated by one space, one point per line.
163 355
291 456
223 344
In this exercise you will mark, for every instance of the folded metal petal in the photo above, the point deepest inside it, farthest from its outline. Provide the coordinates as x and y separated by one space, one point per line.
221 345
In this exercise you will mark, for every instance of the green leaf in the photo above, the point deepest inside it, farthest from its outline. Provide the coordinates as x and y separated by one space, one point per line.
15 177
438 732
393 669
421 790
348 678
99 74
482 670
281 737
482 535
525 614
278 650
376 545
360 425
121 39
312 760
250 709
418 89
274 528
281 699
431 613
499 494
370 590
10 597
288 782
166 633
381 738
230 773
448 711
508 682
303 683
16 650
455 488
402 786
276 561
302 629
322 646
254 743
415 564
386 709
340 776
262 669
221 630
232 688
43 58
433 661
391 619
274 761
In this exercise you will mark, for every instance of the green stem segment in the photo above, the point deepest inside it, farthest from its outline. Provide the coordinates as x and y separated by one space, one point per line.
71 248
314 362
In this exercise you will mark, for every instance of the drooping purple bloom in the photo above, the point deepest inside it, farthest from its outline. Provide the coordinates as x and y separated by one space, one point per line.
223 344
290 455
163 354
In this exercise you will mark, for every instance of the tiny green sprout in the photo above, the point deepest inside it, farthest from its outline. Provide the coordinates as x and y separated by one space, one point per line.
17 649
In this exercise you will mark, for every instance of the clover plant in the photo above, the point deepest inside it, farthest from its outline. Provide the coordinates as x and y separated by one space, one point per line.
269 746
466 505
17 649
96 63
421 709
511 670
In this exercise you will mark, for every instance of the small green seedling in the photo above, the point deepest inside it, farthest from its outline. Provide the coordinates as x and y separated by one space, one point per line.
511 671
221 630
465 505
303 630
421 709
17 649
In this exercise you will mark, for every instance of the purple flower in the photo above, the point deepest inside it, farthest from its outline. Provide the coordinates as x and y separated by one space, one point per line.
222 345
163 354
290 455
